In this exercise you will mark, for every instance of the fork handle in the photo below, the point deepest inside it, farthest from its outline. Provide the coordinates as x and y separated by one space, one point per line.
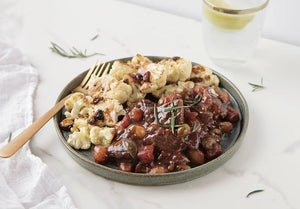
14 145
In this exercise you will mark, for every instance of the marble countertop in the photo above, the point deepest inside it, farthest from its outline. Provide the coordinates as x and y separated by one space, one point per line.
269 156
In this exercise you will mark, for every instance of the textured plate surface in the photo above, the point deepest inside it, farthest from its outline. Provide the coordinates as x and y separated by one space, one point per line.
230 142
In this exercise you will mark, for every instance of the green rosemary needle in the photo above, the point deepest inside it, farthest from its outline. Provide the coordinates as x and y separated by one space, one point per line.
73 52
198 99
95 37
174 108
169 126
173 117
196 126
253 192
257 86
9 137
155 114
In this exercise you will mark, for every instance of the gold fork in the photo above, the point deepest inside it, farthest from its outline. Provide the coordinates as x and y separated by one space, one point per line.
14 145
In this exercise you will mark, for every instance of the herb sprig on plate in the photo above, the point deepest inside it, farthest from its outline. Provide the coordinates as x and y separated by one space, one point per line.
173 117
196 126
72 53
172 126
256 87
198 98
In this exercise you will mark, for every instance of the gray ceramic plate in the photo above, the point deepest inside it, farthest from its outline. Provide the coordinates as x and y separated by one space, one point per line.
230 142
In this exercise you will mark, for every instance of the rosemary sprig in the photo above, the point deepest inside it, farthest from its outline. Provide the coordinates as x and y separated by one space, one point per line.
173 117
169 126
9 137
73 52
156 120
196 126
253 192
174 108
170 99
95 37
257 86
198 98
155 114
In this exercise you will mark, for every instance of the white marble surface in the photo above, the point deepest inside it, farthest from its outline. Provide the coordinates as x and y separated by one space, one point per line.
269 157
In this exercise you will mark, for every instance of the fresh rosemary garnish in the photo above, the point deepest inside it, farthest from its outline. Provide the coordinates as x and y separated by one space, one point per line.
155 114
9 137
173 117
196 126
169 126
253 192
198 98
73 52
174 108
164 126
95 37
257 86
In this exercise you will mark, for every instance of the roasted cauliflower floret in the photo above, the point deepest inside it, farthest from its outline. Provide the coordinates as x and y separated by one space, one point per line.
177 69
99 85
139 61
173 88
168 89
203 76
119 91
158 77
80 138
102 136
77 104
119 68
106 113
136 94
79 123
109 87
187 84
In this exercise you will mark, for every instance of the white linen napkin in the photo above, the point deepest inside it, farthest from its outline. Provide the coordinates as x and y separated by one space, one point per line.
25 181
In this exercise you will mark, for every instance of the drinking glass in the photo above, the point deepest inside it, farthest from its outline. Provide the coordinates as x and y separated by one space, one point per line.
231 29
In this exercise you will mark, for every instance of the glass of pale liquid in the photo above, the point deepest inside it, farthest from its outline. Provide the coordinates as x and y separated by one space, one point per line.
231 29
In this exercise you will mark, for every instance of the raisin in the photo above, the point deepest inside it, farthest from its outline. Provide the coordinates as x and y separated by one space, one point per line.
96 100
93 120
126 80
139 77
99 115
176 58
196 80
146 76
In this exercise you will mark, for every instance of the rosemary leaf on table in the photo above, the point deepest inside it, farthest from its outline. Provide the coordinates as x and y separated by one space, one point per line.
72 53
9 137
253 192
256 87
95 37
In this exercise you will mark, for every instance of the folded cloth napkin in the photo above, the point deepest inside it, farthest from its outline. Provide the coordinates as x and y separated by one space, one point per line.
25 181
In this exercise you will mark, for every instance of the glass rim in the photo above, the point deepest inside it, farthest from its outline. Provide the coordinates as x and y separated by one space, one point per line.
236 11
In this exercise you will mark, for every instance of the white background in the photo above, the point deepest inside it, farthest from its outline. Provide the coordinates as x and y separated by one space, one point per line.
282 19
